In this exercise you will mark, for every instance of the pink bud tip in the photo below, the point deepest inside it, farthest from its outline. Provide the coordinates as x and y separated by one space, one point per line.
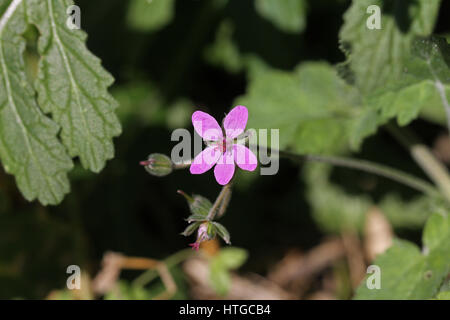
146 163
195 246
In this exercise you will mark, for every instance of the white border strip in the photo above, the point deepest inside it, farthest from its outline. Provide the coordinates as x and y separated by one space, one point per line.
8 13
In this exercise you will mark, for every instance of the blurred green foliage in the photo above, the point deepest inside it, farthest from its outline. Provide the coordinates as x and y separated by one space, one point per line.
172 57
409 273
220 265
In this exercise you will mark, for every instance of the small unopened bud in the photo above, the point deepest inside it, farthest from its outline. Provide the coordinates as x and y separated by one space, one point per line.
203 234
203 231
158 164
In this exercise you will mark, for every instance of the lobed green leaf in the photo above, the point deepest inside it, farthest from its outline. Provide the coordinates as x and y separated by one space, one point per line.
29 147
72 86
408 273
422 88
377 57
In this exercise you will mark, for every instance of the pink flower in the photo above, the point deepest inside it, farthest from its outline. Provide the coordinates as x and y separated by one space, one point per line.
223 150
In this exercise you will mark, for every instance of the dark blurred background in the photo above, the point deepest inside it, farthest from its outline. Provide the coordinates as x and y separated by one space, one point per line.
161 77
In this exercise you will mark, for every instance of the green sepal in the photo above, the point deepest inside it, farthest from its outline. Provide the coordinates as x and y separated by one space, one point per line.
222 232
190 229
198 205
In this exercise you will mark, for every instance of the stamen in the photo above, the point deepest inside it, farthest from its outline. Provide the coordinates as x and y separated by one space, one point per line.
224 145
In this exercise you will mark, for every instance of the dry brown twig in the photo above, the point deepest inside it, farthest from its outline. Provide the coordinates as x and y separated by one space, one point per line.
355 257
296 271
378 234
441 148
251 287
113 263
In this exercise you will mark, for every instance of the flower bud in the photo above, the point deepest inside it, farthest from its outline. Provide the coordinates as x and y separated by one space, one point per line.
204 233
158 164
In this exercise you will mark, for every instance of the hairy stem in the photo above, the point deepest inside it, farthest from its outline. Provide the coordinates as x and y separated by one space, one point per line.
432 167
221 202
367 166
181 165
224 205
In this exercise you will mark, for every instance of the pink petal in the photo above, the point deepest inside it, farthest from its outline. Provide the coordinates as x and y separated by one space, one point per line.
235 121
224 168
206 126
244 157
205 160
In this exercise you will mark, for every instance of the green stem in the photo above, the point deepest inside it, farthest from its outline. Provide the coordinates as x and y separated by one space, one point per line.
435 170
218 205
224 205
367 166
181 165
170 262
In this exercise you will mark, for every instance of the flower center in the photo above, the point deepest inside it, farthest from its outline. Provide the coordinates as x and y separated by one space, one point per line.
224 145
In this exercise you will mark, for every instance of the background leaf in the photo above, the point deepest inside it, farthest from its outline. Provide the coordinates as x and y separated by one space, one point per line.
336 210
443 295
227 259
232 258
288 15
333 209
205 56
72 86
29 147
150 15
376 57
422 273
422 85
313 107
223 52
